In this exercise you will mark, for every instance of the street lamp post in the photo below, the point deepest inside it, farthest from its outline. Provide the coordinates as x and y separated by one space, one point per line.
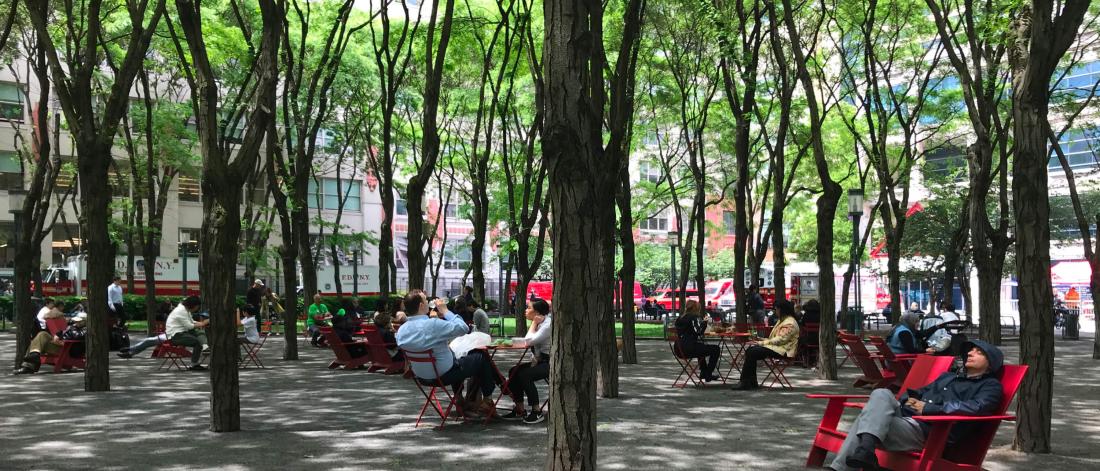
355 272
185 242
673 242
16 197
855 211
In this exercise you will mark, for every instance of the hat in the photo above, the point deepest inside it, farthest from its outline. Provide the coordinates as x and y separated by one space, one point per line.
80 317
258 282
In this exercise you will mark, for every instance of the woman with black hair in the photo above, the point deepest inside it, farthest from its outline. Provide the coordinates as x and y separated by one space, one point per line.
783 342
521 380
690 328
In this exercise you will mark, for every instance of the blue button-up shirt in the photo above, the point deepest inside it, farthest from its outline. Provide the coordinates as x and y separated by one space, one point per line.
421 333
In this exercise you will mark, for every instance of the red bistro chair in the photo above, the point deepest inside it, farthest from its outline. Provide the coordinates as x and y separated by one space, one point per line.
435 387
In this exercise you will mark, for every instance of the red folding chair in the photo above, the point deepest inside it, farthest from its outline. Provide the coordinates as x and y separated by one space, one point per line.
63 360
777 366
808 348
251 353
175 356
431 396
687 367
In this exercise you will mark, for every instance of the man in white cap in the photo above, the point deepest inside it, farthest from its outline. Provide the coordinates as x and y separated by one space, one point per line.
49 343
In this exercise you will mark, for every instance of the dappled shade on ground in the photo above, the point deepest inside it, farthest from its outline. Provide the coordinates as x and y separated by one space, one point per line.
300 415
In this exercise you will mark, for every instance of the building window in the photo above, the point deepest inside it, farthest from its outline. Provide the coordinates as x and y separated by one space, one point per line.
1080 149
945 161
729 220
11 102
654 224
11 172
400 208
650 170
1078 81
332 191
457 258
457 211
328 141
189 189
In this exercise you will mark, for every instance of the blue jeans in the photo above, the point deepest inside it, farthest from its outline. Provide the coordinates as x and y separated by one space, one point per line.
144 344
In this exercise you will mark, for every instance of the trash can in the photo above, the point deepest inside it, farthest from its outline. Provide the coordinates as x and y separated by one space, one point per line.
854 321
1071 330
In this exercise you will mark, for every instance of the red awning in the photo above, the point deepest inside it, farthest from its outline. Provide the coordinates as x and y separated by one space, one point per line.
1076 272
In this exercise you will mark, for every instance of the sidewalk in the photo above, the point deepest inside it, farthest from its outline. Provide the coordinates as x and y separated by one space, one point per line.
300 415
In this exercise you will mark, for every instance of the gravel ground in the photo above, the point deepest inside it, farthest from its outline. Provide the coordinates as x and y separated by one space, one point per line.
300 415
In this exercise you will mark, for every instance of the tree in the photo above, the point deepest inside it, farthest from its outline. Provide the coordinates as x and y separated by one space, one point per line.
581 170
93 128
830 196
1041 37
227 165
392 53
435 58
45 162
976 50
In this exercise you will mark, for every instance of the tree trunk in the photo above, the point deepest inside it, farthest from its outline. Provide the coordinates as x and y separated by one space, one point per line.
1032 211
336 272
25 264
583 216
217 268
609 353
626 273
92 163
1094 286
989 294
149 255
299 216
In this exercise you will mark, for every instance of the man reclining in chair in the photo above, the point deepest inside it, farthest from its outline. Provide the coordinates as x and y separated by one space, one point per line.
886 423
421 333
50 343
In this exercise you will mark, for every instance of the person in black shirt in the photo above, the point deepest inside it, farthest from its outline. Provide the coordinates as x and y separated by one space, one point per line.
690 328
811 313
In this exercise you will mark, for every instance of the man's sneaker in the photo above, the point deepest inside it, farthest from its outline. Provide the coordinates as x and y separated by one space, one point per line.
534 417
512 415
197 368
124 354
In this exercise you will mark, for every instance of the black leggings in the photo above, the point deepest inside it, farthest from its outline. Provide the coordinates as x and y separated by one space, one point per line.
522 381
754 354
707 355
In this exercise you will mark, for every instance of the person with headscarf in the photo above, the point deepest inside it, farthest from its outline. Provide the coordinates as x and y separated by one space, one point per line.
903 337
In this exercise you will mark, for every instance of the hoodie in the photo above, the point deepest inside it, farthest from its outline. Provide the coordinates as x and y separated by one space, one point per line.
954 393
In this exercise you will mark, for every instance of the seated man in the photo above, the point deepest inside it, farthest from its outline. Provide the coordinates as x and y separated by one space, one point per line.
884 422
248 321
49 311
50 344
184 331
423 333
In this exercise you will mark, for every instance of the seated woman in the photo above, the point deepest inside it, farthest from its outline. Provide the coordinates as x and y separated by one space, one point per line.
783 342
690 328
903 337
344 325
811 313
384 321
521 380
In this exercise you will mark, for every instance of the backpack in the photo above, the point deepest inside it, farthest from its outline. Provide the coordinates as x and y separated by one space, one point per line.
119 339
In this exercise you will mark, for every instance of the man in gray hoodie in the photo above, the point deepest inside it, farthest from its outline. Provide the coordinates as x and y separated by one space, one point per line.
889 424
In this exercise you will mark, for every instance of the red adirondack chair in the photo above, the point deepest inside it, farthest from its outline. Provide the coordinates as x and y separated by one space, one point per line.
898 363
937 455
872 375
340 349
377 351
829 439
63 360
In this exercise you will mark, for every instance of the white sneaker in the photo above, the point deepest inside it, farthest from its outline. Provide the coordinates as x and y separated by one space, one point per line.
205 348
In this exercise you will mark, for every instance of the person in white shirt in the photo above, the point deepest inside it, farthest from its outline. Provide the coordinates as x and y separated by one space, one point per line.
251 331
114 297
522 378
422 333
182 330
49 311
938 339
